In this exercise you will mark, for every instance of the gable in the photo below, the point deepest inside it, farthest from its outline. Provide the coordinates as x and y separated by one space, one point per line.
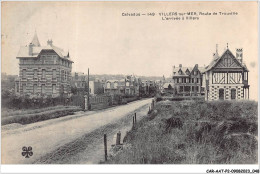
180 72
187 71
228 60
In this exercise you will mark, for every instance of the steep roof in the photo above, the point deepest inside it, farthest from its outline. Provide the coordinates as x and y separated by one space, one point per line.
24 51
184 69
37 49
216 59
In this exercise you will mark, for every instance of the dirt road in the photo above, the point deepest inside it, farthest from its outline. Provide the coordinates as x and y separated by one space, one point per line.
47 138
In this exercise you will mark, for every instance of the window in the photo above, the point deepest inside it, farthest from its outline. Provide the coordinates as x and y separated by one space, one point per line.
233 94
184 80
34 88
177 80
187 80
23 87
181 88
43 73
24 73
35 73
65 74
61 89
43 89
192 80
192 88
197 80
54 73
54 88
221 94
197 89
195 73
127 84
62 75
180 80
186 88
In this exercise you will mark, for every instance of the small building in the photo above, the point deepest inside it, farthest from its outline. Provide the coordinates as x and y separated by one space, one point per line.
127 86
168 87
79 84
226 77
188 80
43 70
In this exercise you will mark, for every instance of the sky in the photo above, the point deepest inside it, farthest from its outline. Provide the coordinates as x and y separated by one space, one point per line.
100 38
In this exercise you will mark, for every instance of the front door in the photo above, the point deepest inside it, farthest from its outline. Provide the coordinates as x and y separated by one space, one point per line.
221 94
233 94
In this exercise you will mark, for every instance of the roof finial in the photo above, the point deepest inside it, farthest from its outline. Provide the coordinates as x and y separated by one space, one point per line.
227 45
216 48
35 40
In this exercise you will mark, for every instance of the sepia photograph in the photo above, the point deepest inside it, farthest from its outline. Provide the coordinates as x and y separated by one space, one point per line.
108 83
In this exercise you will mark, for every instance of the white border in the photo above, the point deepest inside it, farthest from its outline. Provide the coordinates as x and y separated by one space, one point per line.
100 168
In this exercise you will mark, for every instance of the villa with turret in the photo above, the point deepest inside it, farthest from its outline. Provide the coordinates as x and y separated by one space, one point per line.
43 70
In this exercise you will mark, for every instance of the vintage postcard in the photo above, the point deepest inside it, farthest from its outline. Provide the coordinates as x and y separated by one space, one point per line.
130 83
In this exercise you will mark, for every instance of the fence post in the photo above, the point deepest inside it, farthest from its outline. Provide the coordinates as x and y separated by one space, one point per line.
105 146
135 118
118 138
133 122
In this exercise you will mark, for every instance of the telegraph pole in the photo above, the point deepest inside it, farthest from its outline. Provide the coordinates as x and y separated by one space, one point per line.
88 90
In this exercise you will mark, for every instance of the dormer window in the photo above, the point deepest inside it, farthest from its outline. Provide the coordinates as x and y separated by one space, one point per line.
180 72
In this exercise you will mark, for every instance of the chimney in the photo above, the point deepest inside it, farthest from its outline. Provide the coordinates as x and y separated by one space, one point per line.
30 49
239 54
180 65
49 42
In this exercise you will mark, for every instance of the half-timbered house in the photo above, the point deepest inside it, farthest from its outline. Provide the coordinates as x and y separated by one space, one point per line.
226 77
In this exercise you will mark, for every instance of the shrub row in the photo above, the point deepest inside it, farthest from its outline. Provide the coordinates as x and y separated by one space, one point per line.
31 118
25 102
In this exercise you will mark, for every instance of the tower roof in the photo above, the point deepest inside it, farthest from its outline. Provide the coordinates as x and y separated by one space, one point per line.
35 40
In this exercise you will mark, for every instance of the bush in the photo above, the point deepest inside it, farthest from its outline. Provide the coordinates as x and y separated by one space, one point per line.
35 117
25 102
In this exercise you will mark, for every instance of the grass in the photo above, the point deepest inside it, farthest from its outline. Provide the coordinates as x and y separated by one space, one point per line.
194 132
32 116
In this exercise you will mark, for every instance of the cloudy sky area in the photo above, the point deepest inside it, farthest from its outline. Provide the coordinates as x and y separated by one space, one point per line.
99 37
